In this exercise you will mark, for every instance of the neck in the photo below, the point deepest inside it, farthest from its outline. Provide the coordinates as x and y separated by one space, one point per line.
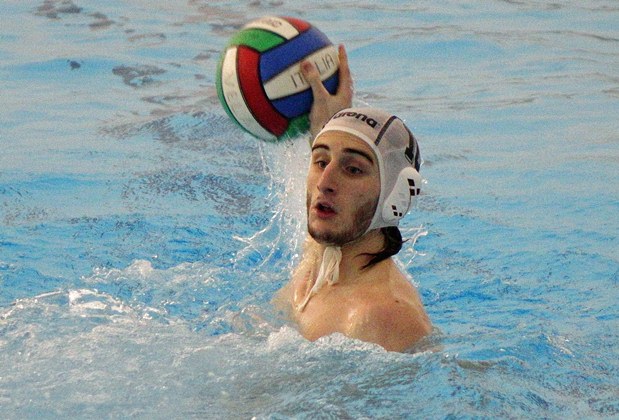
354 254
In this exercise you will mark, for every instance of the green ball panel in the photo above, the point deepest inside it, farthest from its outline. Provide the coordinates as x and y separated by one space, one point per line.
257 39
297 126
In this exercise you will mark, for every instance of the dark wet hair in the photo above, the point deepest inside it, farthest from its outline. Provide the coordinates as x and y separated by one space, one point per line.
393 245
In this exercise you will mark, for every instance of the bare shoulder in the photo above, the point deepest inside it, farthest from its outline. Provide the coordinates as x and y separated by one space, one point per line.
283 299
283 296
396 326
394 318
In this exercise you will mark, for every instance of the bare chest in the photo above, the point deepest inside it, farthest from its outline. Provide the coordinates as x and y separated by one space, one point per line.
333 309
326 313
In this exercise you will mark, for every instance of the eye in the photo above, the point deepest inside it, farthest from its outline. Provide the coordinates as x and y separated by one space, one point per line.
321 163
354 170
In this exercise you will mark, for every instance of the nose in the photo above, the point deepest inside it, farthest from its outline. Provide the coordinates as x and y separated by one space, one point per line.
327 182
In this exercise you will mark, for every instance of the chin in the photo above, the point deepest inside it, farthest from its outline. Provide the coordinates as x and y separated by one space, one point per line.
323 236
334 238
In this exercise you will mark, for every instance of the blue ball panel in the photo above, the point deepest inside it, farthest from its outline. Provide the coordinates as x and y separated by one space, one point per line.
298 104
332 83
275 60
294 105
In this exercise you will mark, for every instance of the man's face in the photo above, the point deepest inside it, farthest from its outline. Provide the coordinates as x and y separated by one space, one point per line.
343 187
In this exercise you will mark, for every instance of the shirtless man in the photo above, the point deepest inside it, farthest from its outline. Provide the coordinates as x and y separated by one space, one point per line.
362 178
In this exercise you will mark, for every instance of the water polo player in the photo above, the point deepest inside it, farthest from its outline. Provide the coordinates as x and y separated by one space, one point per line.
363 177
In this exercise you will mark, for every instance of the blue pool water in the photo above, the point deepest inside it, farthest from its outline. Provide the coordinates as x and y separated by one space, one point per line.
142 234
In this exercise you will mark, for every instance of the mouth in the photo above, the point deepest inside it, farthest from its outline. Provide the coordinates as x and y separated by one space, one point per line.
324 209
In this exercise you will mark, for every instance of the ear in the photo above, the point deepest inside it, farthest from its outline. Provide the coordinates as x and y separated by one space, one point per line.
407 188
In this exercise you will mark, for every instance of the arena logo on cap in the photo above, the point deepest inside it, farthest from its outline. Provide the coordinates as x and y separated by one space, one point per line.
369 121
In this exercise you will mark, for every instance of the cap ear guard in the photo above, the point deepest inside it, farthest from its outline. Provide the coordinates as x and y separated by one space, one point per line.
403 195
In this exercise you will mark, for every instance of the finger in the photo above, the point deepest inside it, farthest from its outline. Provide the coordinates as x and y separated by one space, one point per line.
344 69
345 88
312 77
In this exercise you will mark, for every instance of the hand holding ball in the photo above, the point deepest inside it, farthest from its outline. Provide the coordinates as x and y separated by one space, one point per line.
259 80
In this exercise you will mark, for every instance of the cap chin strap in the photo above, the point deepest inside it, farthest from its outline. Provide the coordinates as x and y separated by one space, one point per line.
329 273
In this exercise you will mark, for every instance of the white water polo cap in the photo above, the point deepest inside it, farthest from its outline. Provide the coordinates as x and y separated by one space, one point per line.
397 152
